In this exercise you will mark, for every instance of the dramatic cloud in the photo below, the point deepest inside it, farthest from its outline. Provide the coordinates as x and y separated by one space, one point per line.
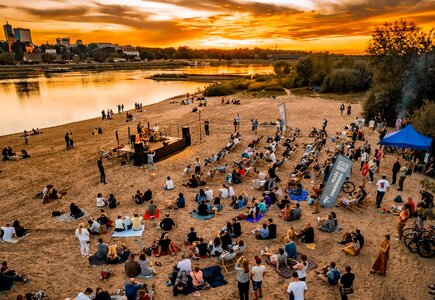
335 25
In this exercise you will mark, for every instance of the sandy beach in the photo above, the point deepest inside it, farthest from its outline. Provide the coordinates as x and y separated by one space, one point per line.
50 255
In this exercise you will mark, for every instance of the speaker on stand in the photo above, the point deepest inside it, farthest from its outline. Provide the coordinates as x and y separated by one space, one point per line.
186 135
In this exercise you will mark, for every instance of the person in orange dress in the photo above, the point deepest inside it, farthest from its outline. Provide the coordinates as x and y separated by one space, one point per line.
380 265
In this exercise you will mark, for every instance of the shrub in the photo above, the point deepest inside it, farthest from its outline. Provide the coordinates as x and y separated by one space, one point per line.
218 90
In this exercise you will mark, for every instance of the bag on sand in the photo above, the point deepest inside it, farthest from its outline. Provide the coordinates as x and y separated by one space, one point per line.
398 199
56 213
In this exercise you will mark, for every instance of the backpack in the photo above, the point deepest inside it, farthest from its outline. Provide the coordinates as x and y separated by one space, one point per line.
335 277
56 213
398 199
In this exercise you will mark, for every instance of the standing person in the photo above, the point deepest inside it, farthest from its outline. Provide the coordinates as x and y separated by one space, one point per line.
349 109
207 127
324 124
403 171
150 157
101 168
379 156
364 157
242 268
403 217
398 123
197 166
254 124
297 288
238 120
382 186
71 141
364 171
122 107
372 169
235 125
371 125
346 283
26 137
395 170
67 140
257 274
380 265
342 108
83 236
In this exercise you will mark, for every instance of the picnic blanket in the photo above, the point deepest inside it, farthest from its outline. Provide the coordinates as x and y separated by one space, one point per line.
213 275
14 240
66 217
200 217
302 197
287 272
95 261
251 219
129 233
148 217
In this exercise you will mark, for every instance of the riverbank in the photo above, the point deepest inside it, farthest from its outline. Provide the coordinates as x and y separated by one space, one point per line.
50 255
195 77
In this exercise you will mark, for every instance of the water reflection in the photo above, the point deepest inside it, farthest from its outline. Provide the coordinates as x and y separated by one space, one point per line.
25 89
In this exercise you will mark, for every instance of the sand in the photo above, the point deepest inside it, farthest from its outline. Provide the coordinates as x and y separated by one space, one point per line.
51 254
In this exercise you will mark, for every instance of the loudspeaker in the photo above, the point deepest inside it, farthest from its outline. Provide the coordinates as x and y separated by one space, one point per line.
139 159
138 147
132 138
185 130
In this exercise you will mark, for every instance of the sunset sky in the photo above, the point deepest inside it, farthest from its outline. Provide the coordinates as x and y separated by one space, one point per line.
341 26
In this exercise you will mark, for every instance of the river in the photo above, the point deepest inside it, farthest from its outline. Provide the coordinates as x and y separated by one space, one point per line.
45 101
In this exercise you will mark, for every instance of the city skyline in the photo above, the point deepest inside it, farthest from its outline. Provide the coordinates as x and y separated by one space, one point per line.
340 26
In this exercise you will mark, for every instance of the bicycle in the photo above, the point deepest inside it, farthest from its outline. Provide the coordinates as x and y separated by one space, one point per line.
317 133
348 186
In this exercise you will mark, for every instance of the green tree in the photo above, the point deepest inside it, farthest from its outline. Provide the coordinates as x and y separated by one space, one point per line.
402 60
6 58
282 68
423 119
47 58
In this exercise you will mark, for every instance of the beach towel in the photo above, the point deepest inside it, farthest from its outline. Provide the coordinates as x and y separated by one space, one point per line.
251 219
214 277
148 217
129 233
302 197
199 217
66 217
15 240
95 261
287 272
156 250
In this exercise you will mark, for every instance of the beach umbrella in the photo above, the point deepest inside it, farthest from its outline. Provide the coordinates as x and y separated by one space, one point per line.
128 136
117 138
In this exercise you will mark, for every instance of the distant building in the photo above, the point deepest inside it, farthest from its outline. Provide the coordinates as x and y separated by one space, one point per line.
51 51
9 35
63 42
130 51
79 42
37 57
107 45
23 35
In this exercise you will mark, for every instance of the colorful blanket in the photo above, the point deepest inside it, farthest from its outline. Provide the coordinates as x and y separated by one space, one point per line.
148 217
302 197
129 233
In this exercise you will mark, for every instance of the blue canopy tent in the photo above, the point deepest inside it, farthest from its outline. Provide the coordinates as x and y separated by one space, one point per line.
407 137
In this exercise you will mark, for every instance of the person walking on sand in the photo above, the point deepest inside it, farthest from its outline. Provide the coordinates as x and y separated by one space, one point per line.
380 265
382 187
403 172
342 108
83 236
26 137
238 120
257 274
67 141
395 170
242 268
207 127
150 157
71 141
101 168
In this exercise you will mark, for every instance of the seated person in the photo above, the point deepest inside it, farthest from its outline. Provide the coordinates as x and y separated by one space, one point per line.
236 228
307 234
187 170
224 192
101 202
147 195
193 182
227 255
119 224
348 236
138 198
203 209
8 233
201 196
290 248
112 201
131 267
328 224
329 274
165 245
49 192
282 203
215 247
181 201
272 229
127 223
7 279
169 184
208 194
352 199
286 212
136 222
112 255
24 154
94 226
295 213
167 223
103 219
352 248
102 249
279 259
298 191
235 177
197 279
152 209
192 236
225 237
200 248
262 233
19 230
75 211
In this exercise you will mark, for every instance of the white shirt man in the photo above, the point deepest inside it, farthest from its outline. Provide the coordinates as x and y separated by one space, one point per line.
382 185
223 192
185 265
169 185
298 288
95 227
272 157
8 232
208 194
101 202
231 192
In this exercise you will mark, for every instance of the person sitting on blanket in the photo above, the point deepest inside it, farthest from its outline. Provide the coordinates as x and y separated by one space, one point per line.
49 192
127 223
262 206
102 249
215 247
301 267
94 226
227 255
223 192
290 248
112 255
272 229
112 201
200 248
262 233
236 228
203 209
147 195
169 184
353 248
279 259
329 274
9 233
152 209
283 202
165 246
145 267
348 236
235 177
136 222
225 239
298 191
193 182
201 196
267 199
307 234
285 212
197 279
328 224
103 219
75 211
119 224
167 223
101 202
254 211
138 198
19 230
192 236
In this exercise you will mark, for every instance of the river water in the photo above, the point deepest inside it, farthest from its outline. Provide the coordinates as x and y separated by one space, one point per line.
46 101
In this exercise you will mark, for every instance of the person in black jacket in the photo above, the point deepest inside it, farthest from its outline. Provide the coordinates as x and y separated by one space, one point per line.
101 168
346 283
396 169
272 229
